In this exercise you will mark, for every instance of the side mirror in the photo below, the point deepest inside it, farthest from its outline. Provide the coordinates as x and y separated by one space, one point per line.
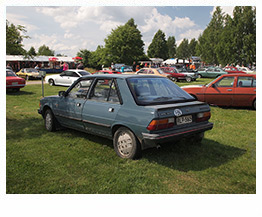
213 85
61 93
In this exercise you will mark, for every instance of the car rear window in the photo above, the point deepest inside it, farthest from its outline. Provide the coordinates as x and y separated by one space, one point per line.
154 91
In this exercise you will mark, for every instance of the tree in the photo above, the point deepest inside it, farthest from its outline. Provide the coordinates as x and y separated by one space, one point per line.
123 45
45 51
31 52
171 46
183 51
192 47
158 46
14 39
85 54
209 40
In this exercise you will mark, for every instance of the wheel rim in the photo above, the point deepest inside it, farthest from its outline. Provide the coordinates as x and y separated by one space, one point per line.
124 144
48 121
51 82
188 79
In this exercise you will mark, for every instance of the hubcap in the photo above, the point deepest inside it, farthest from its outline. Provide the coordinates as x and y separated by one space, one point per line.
124 144
48 121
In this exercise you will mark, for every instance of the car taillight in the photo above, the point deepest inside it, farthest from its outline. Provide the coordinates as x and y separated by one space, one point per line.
203 116
161 124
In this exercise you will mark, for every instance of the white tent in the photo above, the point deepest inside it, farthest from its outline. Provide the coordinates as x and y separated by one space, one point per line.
37 58
175 61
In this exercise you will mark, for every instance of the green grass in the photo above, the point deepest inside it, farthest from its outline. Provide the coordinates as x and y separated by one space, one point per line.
68 161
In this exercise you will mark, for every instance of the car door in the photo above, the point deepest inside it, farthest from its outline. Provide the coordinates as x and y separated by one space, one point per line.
68 108
245 91
221 92
100 110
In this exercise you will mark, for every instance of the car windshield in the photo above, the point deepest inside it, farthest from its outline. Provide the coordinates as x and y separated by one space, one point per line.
31 70
83 73
153 91
10 74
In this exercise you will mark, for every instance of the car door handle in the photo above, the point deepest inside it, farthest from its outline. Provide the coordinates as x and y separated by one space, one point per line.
111 110
229 89
78 104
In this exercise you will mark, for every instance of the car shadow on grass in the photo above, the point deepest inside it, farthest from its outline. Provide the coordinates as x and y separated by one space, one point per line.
181 155
185 157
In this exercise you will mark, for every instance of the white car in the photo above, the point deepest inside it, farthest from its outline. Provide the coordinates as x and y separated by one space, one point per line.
246 70
66 78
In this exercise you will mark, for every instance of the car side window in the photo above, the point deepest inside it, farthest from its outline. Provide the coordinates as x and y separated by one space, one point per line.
105 91
74 75
142 71
80 90
226 82
246 82
69 73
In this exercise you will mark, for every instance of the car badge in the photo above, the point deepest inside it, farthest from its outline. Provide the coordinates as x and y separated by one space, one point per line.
177 112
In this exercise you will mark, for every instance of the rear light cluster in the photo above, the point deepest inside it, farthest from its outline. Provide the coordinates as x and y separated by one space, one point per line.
170 122
161 124
203 116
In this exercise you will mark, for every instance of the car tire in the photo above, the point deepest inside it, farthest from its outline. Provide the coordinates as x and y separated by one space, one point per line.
188 79
126 144
50 122
26 77
174 79
199 76
254 104
51 82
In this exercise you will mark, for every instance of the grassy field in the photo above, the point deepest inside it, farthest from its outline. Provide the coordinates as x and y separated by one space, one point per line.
68 161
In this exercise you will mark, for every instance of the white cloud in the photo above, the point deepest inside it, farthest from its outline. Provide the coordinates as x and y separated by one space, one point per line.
17 19
227 9
191 33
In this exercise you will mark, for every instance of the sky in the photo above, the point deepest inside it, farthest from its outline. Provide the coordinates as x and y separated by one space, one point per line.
67 29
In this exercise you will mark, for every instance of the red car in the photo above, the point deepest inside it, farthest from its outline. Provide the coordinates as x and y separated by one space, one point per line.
13 82
227 90
107 72
175 75
232 70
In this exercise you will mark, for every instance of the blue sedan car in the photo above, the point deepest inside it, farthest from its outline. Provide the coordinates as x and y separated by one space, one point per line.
135 111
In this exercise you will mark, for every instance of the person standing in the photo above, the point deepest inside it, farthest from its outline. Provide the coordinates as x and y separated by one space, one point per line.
80 65
134 66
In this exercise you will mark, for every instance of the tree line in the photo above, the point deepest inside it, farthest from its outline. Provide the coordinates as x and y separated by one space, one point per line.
226 40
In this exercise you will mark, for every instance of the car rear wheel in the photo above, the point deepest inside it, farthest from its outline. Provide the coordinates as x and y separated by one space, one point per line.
254 104
51 82
199 76
50 121
188 79
126 144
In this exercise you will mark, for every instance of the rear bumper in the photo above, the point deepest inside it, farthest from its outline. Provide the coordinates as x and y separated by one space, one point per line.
152 140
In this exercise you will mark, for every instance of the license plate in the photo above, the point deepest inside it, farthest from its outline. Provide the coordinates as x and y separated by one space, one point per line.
184 120
15 83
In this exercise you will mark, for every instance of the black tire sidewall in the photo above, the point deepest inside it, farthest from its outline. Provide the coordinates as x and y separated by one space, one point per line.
51 82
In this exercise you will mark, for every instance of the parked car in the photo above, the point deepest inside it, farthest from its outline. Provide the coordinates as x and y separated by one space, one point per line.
13 82
66 78
227 90
175 75
211 72
107 72
136 111
189 72
29 73
246 70
232 70
153 71
126 68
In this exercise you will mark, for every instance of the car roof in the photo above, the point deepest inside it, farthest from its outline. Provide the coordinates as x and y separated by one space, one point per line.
119 76
239 74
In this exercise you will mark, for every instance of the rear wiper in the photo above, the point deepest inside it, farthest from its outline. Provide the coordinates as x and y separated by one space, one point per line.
162 98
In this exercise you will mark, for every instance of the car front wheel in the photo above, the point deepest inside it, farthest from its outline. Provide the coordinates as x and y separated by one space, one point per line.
174 79
126 144
50 121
